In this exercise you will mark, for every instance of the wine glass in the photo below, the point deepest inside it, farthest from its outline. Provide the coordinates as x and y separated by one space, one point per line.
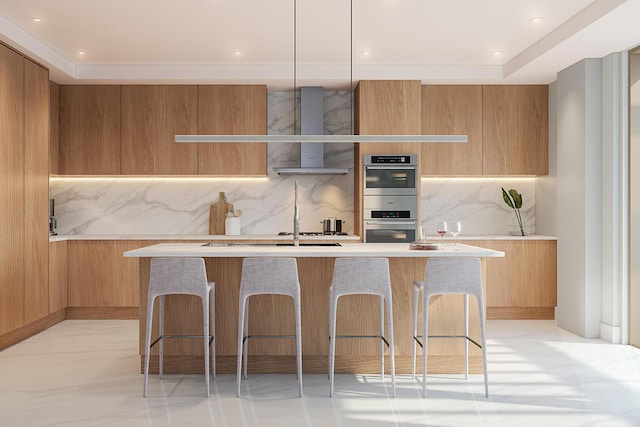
455 228
441 228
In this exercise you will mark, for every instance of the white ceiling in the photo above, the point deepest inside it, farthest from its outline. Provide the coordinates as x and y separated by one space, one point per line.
436 41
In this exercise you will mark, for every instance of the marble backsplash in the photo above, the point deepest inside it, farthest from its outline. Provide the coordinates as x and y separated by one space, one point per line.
181 205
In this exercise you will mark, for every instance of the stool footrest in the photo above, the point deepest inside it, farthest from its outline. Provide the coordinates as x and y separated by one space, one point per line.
211 338
365 336
445 336
268 336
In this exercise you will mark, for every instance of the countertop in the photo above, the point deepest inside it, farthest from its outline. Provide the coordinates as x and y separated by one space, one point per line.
206 238
399 250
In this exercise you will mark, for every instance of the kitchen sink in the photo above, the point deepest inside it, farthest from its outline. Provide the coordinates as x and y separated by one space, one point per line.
222 245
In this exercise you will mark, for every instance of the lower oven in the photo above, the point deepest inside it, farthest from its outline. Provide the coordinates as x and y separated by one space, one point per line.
389 231
390 219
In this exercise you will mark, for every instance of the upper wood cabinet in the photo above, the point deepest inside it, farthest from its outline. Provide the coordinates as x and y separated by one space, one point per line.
89 130
151 117
515 130
228 110
452 110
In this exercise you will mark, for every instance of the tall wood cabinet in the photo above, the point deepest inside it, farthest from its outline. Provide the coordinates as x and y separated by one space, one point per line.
151 117
24 157
89 130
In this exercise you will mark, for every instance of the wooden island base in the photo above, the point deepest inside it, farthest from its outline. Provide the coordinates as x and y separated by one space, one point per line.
357 315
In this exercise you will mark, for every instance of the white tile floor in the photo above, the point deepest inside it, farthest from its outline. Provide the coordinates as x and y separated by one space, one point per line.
85 373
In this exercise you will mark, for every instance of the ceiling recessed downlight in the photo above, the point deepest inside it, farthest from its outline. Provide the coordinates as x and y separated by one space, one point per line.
365 53
536 19
82 52
237 53
36 19
496 53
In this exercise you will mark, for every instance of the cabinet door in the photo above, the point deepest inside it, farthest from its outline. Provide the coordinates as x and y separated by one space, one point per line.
452 110
100 276
523 284
89 130
36 192
54 106
230 110
11 190
151 117
57 276
515 130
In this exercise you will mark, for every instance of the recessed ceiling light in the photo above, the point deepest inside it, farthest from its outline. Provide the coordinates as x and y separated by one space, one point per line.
496 52
81 52
536 19
36 19
365 53
237 53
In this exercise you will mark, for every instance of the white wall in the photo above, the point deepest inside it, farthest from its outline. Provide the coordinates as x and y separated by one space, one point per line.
634 202
546 190
579 197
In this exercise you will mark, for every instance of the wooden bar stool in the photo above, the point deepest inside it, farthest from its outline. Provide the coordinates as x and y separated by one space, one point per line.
449 276
262 276
369 276
172 276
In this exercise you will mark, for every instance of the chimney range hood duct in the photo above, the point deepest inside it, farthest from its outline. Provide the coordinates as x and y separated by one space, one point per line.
311 123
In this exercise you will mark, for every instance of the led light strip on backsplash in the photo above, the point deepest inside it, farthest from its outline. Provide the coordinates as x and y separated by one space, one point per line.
119 178
480 178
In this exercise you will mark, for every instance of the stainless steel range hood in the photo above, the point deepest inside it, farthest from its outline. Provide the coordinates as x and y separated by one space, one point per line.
311 123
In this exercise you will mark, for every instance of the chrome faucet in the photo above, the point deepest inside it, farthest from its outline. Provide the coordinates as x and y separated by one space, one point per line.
296 218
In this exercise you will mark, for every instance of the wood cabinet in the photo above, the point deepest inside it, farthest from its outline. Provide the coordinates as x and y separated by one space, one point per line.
12 189
523 284
89 130
57 276
54 157
228 110
515 130
100 276
452 110
24 165
384 107
151 117
35 237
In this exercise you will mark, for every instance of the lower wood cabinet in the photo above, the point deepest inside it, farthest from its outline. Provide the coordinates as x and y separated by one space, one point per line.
523 284
102 282
58 276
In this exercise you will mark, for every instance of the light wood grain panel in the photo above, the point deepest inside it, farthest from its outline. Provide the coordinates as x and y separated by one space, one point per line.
99 275
452 110
102 313
54 106
11 190
57 276
515 130
525 279
89 130
151 117
36 192
230 110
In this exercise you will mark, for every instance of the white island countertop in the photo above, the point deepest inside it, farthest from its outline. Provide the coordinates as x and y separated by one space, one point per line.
400 250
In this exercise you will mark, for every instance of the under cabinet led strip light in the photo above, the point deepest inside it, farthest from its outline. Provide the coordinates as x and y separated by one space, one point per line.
322 138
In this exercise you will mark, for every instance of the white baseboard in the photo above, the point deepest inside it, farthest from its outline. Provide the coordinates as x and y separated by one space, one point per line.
611 334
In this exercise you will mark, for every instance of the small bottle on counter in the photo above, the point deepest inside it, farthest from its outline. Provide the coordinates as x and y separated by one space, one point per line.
232 225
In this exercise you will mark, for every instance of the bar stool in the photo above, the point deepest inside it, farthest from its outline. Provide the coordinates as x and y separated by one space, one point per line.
361 276
263 276
449 276
171 276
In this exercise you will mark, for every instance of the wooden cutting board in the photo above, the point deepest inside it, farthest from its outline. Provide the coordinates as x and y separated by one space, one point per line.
217 214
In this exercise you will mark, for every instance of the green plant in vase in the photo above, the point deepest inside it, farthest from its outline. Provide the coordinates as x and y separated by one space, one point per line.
513 199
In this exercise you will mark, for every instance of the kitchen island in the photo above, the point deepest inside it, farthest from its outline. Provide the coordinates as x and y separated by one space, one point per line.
273 314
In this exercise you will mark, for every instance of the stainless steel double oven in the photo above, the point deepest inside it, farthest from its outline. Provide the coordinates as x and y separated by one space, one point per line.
390 198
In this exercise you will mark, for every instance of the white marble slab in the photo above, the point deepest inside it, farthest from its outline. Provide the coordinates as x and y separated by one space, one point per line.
400 250
205 237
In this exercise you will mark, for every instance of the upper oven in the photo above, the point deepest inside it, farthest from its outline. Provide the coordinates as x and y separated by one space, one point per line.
388 174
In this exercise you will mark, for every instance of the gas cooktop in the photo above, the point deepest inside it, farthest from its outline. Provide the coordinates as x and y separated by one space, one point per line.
313 233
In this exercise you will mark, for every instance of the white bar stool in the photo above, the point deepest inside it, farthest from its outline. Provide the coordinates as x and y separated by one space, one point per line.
449 276
361 276
171 276
261 276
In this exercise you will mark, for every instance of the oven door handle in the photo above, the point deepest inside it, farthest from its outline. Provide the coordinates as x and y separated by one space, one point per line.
390 222
390 167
